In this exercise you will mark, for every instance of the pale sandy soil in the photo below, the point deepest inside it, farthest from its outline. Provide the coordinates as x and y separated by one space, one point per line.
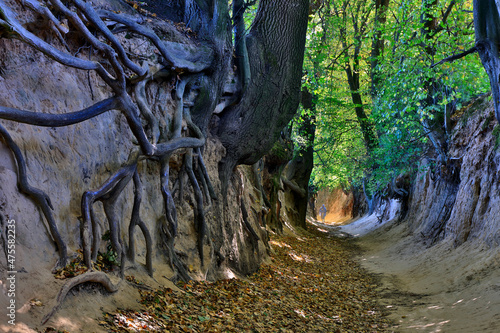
430 289
82 306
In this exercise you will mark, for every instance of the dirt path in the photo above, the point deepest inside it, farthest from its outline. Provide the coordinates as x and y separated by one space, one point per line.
326 281
310 284
437 288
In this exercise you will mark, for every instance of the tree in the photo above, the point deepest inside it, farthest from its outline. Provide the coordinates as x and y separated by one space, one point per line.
339 76
378 43
247 120
487 30
357 12
425 83
298 170
414 78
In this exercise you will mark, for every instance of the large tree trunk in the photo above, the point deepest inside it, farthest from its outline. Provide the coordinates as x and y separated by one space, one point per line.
276 49
487 27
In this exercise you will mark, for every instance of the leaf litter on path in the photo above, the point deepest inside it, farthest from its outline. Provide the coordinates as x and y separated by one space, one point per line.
311 284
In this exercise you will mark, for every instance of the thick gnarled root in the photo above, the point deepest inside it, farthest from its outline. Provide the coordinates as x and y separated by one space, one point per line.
96 277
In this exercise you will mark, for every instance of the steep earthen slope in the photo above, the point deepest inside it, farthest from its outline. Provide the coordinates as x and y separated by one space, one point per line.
440 264
67 161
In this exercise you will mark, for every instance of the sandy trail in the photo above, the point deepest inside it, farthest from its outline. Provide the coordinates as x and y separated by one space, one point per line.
430 289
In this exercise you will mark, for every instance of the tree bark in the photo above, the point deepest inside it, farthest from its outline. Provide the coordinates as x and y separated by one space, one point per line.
487 28
378 43
275 46
298 170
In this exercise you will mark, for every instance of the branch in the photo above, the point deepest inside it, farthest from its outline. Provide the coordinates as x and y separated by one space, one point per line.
445 18
38 196
178 55
57 120
455 57
448 11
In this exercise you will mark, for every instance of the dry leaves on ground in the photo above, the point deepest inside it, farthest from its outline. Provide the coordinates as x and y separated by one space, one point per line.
311 285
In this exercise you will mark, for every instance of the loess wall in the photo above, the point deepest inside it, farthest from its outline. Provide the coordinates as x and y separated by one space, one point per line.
67 161
460 201
339 205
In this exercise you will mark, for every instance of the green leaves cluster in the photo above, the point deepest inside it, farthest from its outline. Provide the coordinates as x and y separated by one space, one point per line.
414 94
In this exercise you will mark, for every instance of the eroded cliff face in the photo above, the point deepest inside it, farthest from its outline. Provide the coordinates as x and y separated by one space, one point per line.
460 201
339 205
65 162
439 264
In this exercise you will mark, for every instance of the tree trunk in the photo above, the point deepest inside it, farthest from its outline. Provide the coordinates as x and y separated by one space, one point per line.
298 171
378 43
487 27
434 125
369 136
275 46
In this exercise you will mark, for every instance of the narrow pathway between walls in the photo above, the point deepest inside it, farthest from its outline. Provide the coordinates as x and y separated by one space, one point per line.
311 283
428 288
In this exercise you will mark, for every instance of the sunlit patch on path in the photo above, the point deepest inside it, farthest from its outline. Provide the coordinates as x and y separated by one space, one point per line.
311 284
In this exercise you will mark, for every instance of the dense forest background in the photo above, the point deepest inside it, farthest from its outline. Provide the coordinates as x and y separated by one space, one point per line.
389 78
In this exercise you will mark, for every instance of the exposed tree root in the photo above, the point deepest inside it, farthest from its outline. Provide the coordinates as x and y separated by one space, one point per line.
247 224
176 54
107 193
57 120
136 221
96 277
199 214
170 210
40 198
257 169
202 167
294 187
142 103
178 267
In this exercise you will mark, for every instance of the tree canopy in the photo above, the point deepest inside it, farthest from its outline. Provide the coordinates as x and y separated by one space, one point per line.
388 76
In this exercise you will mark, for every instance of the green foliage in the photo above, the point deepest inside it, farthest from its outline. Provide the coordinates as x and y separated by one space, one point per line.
109 258
414 95
281 150
340 153
496 134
